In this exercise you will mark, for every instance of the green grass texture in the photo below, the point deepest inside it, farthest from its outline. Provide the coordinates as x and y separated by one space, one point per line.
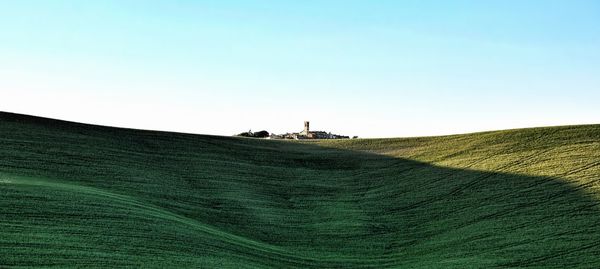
78 195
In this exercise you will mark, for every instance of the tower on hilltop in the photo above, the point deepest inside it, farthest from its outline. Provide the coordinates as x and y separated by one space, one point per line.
306 130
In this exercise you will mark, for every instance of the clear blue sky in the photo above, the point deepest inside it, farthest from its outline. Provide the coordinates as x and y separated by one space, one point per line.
366 68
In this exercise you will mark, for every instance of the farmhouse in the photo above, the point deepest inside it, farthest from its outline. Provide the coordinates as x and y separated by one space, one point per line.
308 134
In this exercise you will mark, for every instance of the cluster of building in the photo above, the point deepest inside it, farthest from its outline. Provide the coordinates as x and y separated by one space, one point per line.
308 134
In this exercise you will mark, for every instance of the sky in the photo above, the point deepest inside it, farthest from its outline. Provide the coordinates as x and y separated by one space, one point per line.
367 68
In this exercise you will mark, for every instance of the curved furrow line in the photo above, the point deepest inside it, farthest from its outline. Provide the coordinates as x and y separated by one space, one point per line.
262 251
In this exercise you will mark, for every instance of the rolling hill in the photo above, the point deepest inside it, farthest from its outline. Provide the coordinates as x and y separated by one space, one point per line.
78 195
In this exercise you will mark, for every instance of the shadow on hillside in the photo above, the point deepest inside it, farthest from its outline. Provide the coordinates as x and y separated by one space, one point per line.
413 209
322 202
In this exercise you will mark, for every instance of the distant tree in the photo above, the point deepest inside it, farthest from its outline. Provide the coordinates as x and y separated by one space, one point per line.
261 134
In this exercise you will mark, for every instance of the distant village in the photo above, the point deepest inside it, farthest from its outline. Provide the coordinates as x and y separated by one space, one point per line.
304 134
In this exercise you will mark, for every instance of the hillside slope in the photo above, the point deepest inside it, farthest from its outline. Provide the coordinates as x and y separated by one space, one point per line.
82 195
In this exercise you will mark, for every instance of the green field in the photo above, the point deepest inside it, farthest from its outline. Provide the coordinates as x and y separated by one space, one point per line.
76 195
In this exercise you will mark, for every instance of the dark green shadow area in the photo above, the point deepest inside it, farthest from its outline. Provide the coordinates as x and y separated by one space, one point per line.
81 195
